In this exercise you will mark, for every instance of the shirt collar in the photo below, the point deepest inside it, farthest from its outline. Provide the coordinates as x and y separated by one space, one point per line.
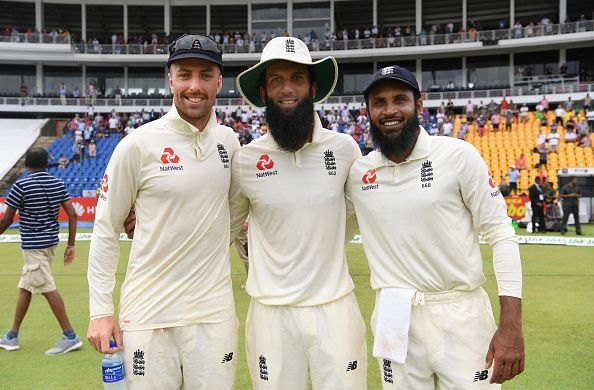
179 125
421 150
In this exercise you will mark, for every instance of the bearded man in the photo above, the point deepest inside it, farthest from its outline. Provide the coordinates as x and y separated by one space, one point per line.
421 203
303 320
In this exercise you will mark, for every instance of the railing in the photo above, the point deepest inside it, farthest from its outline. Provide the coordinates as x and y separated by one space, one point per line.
369 43
35 37
149 102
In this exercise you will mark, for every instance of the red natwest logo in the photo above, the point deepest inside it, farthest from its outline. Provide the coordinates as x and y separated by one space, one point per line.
264 163
491 183
169 156
369 176
104 187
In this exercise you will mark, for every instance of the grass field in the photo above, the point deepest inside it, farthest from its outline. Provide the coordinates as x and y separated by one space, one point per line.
558 319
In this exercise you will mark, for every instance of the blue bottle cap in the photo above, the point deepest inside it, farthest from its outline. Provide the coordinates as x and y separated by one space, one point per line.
112 344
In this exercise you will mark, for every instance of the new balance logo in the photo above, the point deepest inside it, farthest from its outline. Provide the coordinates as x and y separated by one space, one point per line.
352 366
263 368
481 375
228 357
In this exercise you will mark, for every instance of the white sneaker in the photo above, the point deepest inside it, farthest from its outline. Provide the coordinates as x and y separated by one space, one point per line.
65 345
9 345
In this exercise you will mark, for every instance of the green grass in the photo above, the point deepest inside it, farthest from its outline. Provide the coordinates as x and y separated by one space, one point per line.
558 319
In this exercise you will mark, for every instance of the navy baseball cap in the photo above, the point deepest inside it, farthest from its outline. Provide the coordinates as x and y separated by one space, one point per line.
195 46
393 72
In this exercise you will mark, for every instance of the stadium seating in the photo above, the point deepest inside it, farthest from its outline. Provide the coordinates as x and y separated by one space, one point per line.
500 150
85 175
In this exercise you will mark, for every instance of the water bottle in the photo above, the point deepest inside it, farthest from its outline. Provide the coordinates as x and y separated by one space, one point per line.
113 370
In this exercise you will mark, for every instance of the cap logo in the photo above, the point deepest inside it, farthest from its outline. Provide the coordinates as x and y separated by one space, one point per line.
196 44
388 70
290 46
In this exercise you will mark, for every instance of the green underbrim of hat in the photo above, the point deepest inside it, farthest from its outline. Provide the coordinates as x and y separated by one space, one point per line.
326 71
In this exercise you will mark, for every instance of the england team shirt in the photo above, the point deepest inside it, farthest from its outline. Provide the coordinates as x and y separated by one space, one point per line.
178 178
38 198
420 219
297 216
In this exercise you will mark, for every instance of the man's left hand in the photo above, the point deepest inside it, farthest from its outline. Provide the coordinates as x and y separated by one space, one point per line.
506 354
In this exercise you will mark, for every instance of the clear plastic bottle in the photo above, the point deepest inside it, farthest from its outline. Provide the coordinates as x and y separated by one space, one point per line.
112 367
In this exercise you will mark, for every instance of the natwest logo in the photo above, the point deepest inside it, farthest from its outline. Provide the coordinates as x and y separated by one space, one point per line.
169 156
265 162
369 177
104 186
491 183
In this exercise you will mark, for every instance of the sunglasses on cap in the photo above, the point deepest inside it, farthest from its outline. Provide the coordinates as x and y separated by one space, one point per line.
195 42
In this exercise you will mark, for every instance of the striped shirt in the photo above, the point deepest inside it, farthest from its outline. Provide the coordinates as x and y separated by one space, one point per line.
38 198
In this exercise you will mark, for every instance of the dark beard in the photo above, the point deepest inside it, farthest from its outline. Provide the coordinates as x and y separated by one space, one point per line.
394 146
290 129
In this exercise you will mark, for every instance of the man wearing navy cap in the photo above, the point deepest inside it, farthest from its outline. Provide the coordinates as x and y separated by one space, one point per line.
421 203
177 312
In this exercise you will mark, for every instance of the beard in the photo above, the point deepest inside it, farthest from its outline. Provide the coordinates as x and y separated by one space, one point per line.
291 129
395 145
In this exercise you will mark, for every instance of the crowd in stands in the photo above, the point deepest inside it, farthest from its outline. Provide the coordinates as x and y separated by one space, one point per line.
250 124
376 36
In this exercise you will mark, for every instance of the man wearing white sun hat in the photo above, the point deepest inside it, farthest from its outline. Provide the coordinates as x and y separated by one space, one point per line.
303 316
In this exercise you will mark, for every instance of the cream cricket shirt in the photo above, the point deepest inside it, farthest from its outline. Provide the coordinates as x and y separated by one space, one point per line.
420 219
297 215
178 272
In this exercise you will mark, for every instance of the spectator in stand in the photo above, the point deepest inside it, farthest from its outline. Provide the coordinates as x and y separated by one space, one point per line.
545 103
469 108
481 122
448 128
63 162
521 162
62 93
92 94
509 119
570 125
524 113
92 149
553 139
513 174
590 118
113 123
118 95
570 137
559 112
503 106
495 121
585 141
449 110
569 104
76 92
543 152
541 138
76 151
463 130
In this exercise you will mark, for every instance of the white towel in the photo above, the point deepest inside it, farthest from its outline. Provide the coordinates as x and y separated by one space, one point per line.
393 313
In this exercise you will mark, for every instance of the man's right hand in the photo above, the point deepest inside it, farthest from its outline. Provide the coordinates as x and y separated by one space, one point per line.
130 223
101 331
